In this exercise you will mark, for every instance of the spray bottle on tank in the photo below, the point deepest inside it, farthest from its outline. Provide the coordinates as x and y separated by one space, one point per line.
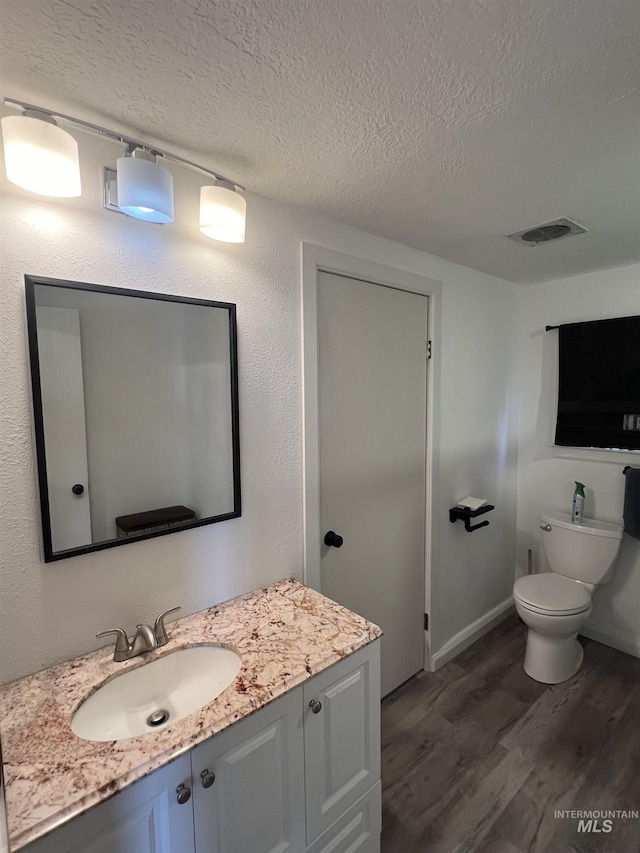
578 503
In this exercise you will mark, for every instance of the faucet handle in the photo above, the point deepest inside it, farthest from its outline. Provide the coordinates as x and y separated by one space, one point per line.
159 630
122 643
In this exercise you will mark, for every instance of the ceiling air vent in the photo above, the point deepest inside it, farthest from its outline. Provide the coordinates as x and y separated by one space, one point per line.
548 233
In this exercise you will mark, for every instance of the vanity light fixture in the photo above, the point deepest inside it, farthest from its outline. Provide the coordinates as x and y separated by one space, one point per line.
145 189
222 212
39 156
46 162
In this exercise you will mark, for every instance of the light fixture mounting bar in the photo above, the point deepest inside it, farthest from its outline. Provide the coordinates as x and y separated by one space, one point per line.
121 137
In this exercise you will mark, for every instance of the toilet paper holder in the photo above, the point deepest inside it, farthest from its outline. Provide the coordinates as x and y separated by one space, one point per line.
457 513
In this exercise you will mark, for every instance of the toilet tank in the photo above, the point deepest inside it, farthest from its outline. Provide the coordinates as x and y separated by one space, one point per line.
585 552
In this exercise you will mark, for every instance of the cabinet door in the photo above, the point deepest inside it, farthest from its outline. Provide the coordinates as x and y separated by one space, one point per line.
342 737
145 818
256 803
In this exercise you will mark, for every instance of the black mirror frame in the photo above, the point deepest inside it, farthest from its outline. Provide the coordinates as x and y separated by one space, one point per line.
49 554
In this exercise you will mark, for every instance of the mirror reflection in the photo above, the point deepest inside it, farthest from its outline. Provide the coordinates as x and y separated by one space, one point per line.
136 413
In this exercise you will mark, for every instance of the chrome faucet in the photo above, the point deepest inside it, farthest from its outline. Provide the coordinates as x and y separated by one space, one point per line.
145 639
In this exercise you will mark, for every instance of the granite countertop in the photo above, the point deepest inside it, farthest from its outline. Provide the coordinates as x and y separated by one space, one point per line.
285 633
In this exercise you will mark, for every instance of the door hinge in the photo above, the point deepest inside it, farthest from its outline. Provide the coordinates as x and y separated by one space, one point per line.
428 349
426 621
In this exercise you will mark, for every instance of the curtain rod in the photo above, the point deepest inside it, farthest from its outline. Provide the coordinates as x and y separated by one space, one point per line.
588 322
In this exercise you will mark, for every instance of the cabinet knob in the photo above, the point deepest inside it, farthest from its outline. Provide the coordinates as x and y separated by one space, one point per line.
208 778
184 794
78 489
315 706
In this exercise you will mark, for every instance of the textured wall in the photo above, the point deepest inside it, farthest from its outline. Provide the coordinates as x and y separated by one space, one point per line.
50 612
546 476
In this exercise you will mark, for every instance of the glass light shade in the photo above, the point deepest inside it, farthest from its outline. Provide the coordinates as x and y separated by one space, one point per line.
40 156
145 190
222 214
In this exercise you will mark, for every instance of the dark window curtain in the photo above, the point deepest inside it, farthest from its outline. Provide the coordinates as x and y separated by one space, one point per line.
599 384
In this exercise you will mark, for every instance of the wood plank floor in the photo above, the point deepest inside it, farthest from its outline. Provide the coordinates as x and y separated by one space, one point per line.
478 756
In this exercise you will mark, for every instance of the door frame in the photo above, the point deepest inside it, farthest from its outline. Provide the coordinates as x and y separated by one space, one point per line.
315 259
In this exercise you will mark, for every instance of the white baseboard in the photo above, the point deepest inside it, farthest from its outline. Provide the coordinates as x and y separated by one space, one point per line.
463 639
621 640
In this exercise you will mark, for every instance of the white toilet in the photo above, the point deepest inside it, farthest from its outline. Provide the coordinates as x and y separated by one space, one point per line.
555 605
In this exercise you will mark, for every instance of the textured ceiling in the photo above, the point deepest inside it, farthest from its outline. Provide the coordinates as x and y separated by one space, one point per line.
443 124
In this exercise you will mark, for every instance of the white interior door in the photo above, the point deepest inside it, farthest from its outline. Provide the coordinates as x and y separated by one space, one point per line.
372 381
60 363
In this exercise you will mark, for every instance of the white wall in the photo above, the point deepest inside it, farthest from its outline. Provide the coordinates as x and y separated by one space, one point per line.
546 475
51 612
478 448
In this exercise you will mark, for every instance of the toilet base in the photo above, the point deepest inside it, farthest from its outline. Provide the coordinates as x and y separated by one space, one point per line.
551 660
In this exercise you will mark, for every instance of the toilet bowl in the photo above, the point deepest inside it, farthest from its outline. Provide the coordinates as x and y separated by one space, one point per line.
554 609
555 605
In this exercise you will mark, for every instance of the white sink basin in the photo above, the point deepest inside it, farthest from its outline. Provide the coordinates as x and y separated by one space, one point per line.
156 694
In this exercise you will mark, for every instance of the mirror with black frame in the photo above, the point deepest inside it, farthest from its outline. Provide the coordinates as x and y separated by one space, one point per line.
135 398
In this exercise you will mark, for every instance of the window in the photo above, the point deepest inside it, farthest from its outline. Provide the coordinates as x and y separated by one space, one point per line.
599 384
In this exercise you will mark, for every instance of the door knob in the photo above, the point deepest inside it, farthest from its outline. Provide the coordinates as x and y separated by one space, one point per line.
333 539
78 489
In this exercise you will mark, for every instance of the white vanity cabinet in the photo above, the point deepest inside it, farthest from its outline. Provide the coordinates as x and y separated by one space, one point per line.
144 818
301 775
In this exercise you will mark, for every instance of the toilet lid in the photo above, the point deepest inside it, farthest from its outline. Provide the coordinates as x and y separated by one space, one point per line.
552 594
